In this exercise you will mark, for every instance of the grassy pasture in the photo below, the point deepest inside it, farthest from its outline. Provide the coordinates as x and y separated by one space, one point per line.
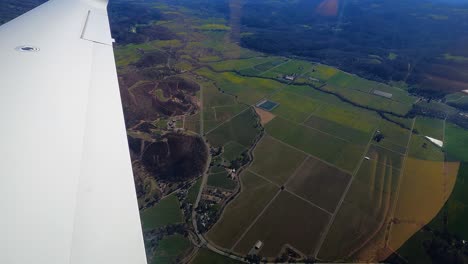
170 249
164 213
242 128
238 214
287 219
319 183
275 160
221 180
321 145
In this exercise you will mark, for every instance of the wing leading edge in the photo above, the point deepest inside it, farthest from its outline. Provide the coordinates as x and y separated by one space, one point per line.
66 183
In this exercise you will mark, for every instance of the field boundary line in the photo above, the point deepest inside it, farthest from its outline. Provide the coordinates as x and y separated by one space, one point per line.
263 177
313 128
309 202
312 113
310 155
338 207
255 220
290 191
397 192
211 130
274 67
296 171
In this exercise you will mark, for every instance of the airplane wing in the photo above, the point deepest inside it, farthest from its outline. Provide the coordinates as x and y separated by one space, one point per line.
67 193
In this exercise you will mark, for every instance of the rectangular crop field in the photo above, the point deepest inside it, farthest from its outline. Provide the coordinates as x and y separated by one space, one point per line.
394 138
256 193
275 160
221 180
319 144
430 127
341 131
243 129
364 213
319 183
293 106
385 156
287 220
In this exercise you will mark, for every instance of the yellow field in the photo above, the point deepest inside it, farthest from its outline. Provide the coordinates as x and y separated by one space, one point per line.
425 188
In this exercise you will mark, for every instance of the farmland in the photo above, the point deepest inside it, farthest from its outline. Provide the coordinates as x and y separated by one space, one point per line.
302 156
164 213
287 220
256 193
170 249
319 183
275 161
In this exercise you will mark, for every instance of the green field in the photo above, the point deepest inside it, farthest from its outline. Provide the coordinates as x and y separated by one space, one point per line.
457 205
338 130
243 129
164 213
293 106
205 256
430 127
170 249
292 67
275 160
456 142
221 180
395 138
319 144
422 148
237 216
371 100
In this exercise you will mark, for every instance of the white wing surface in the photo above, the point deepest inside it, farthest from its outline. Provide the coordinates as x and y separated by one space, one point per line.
67 193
